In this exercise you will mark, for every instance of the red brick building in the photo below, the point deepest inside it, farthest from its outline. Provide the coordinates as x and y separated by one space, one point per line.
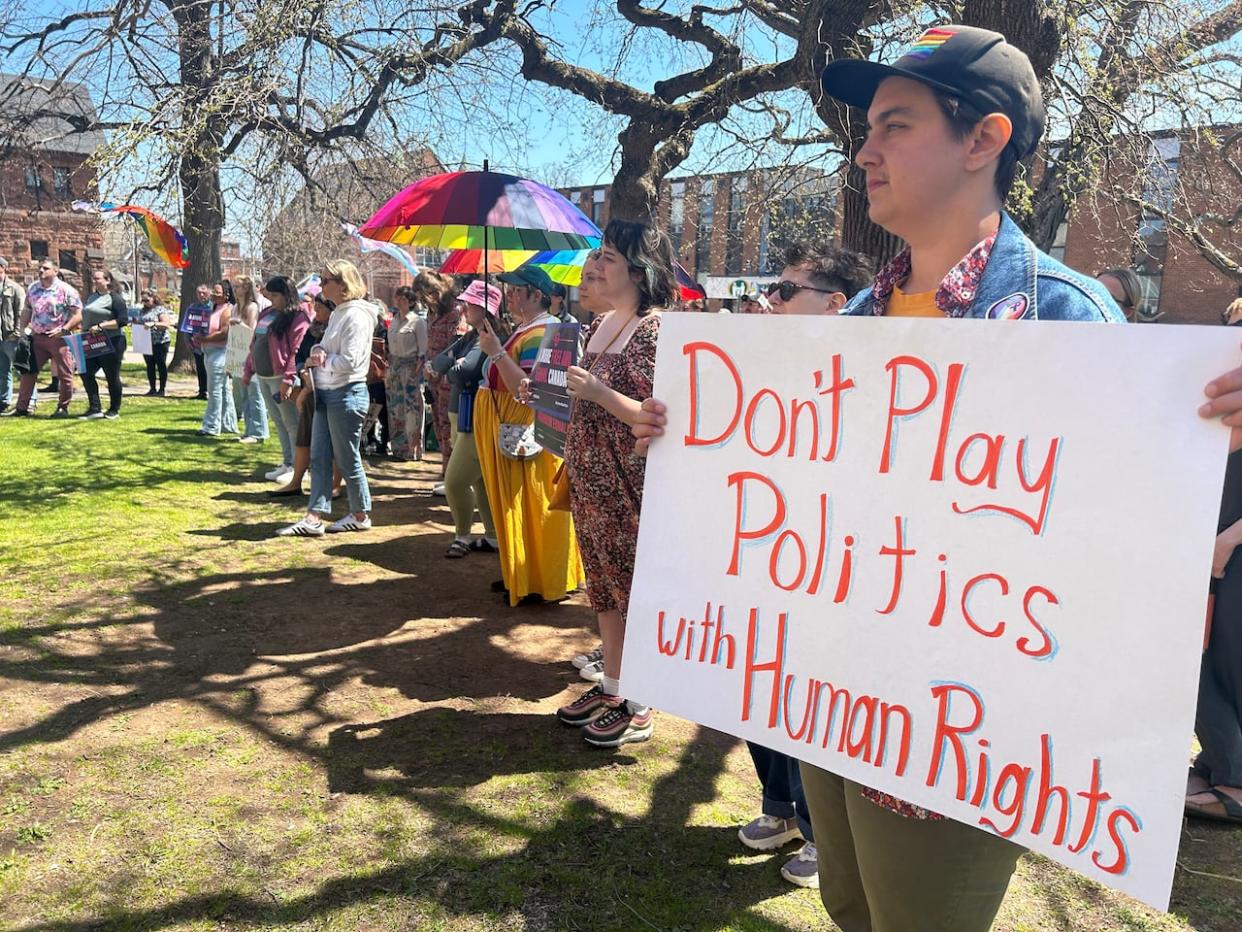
1185 177
44 170
733 227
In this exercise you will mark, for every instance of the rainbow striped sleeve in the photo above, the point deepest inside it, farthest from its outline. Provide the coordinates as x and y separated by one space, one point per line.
525 348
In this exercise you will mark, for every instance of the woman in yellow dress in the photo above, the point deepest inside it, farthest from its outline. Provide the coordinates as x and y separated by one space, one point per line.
539 557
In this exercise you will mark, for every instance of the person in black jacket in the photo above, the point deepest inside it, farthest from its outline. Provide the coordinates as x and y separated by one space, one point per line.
104 314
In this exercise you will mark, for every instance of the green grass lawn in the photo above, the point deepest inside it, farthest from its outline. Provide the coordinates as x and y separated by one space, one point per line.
202 727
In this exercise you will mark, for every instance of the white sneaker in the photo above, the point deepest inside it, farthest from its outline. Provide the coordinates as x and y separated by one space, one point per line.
303 528
589 657
767 833
802 870
438 489
349 523
593 672
275 474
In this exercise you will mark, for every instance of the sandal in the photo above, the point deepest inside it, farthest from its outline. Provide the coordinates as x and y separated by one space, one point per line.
482 545
456 550
1232 808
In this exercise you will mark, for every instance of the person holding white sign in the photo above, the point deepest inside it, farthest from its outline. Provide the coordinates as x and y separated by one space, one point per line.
948 124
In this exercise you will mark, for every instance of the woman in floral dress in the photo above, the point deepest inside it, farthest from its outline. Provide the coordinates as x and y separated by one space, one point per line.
634 274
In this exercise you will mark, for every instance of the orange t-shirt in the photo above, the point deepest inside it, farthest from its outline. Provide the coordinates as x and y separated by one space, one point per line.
901 304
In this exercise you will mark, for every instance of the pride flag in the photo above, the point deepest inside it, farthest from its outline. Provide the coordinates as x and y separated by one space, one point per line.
165 240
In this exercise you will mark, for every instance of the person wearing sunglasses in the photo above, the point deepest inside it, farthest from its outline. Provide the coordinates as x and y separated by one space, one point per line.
818 280
53 308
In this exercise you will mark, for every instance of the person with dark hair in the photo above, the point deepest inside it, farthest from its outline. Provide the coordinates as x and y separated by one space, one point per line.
634 276
278 334
407 355
818 279
1124 287
159 323
948 123
202 304
12 297
539 558
104 313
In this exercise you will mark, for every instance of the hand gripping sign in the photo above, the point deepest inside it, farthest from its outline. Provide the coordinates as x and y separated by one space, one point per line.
954 561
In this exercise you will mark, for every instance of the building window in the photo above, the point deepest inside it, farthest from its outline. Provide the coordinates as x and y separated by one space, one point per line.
597 207
734 232
677 214
1057 250
68 260
33 181
703 234
38 249
61 181
1151 246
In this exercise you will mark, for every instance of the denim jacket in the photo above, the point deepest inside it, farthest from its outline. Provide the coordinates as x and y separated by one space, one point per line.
1022 283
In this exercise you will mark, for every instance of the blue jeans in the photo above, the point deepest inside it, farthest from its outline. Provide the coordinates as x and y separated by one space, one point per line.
782 787
8 349
248 400
335 435
284 414
220 415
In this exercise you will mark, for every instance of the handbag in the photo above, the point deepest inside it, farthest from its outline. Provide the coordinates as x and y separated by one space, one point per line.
517 441
24 357
377 370
559 499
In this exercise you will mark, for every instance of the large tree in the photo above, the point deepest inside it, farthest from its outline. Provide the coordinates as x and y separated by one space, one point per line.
190 89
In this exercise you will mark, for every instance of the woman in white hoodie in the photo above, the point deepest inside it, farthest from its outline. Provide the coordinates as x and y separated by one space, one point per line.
339 366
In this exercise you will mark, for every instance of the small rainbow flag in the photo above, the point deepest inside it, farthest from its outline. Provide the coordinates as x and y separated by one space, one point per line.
165 240
928 42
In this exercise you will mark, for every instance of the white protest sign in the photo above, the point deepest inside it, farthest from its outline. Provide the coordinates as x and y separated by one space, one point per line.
238 349
859 534
142 339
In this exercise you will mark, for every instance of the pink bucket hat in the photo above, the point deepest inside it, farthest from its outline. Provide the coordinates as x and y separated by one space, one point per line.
480 295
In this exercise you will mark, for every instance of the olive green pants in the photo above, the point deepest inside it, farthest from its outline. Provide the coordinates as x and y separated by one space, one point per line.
882 872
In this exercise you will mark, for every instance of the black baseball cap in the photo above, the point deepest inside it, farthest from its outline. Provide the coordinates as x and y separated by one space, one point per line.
976 66
530 275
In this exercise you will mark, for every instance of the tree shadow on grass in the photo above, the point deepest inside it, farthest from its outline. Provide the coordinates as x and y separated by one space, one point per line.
592 867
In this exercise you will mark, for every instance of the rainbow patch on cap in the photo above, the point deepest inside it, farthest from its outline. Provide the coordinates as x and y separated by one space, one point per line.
928 42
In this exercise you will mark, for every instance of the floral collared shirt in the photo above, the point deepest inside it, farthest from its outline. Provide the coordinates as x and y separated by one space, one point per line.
954 297
957 290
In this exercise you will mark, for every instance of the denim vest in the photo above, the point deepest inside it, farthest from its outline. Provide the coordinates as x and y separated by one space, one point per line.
1022 283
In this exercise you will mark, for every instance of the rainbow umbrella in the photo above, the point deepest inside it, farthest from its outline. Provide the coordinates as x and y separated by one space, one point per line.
563 266
165 240
482 210
470 261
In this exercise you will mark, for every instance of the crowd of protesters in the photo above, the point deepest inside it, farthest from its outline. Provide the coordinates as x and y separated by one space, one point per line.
338 374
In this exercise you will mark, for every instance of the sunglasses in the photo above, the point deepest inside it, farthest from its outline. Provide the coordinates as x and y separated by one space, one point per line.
324 279
787 289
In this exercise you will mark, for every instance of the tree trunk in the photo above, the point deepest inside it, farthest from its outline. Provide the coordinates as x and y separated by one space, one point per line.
199 171
203 207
